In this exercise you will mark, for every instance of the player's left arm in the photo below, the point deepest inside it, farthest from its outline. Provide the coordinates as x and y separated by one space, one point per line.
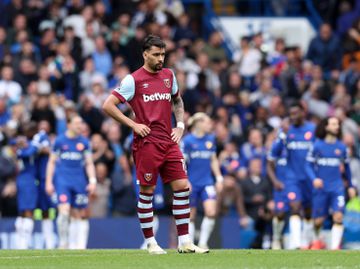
90 172
178 108
347 172
215 168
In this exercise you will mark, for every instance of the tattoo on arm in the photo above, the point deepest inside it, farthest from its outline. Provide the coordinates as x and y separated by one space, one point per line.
178 105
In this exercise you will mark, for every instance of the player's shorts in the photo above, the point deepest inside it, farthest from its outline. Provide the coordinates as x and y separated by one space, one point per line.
44 201
27 194
73 193
281 200
300 191
201 194
325 201
152 160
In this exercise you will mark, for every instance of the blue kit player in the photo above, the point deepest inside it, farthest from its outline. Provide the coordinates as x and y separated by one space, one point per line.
71 165
42 140
328 160
297 142
26 151
199 148
277 172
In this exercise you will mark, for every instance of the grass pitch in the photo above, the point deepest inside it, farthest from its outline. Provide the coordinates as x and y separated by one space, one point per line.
139 259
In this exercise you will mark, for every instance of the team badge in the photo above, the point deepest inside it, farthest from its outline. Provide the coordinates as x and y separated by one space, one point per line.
80 146
337 152
148 176
208 144
291 196
167 83
308 135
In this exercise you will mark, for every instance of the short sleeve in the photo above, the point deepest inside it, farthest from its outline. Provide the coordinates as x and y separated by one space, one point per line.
126 91
175 87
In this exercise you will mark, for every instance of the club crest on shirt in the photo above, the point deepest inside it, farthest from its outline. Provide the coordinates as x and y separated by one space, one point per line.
167 83
147 176
208 144
80 146
337 152
308 135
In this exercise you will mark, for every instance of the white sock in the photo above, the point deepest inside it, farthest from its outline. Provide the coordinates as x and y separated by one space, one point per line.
278 227
207 226
48 233
73 233
20 235
307 235
62 223
28 226
192 231
150 240
83 233
337 231
295 231
183 239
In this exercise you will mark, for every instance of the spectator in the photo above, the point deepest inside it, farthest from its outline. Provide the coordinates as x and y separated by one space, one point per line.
9 88
4 113
348 15
325 51
102 57
214 47
43 111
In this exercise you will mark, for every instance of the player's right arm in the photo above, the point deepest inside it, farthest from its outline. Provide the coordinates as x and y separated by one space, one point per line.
270 166
310 168
125 92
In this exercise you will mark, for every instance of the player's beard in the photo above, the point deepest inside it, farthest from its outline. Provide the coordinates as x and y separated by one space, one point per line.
157 67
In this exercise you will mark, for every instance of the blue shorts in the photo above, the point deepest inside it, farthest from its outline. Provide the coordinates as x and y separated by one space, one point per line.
300 191
27 194
281 200
202 193
73 193
44 200
323 201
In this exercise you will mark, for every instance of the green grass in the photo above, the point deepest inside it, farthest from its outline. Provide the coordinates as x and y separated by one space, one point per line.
121 259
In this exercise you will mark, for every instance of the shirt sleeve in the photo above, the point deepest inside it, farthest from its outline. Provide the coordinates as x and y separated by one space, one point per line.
175 87
126 91
56 147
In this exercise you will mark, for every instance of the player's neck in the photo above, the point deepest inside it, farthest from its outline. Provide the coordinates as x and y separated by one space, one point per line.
70 134
148 69
329 138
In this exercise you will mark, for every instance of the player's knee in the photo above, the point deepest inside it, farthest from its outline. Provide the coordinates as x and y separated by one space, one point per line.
318 222
338 218
64 209
180 185
280 216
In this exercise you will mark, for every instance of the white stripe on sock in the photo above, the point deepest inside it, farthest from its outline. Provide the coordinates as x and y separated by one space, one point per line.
144 206
145 215
182 221
181 211
146 225
181 202
181 194
144 197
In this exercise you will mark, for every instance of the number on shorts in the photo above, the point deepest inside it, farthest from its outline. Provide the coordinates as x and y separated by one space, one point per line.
81 199
341 201
184 165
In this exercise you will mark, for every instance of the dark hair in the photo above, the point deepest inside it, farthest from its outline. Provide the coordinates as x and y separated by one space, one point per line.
320 131
152 40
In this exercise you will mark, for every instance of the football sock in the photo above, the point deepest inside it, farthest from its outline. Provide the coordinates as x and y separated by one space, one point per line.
307 233
207 226
48 233
20 235
73 233
83 233
337 231
28 226
277 226
145 213
295 231
192 231
181 212
62 223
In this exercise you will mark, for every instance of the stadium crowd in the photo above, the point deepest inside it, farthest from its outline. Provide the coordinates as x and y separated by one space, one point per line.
60 58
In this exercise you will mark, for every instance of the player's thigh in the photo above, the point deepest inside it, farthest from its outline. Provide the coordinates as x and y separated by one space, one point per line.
148 158
45 202
208 197
173 170
79 195
320 203
293 195
281 202
26 193
306 189
337 204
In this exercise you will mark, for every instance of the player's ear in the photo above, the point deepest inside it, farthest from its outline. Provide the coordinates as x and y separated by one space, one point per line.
145 54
